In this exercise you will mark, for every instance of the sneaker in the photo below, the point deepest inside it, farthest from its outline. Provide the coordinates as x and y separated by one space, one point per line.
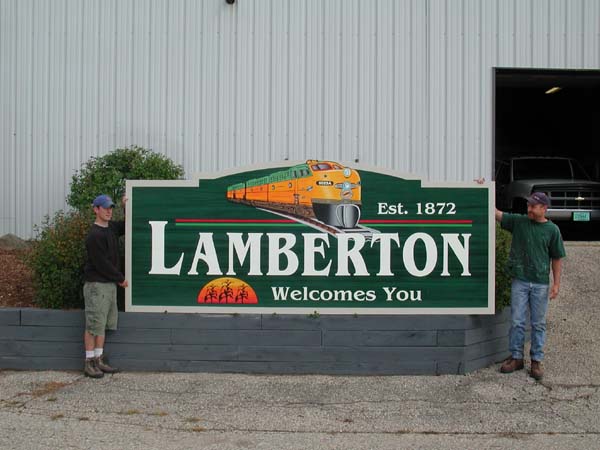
536 370
103 365
511 364
90 369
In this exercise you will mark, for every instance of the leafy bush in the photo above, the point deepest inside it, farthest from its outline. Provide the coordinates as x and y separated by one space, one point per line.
503 279
107 174
56 260
58 252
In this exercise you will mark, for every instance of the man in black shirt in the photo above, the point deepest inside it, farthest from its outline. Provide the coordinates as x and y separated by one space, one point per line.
102 274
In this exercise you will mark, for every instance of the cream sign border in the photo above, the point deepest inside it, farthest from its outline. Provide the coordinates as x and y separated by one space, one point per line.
193 182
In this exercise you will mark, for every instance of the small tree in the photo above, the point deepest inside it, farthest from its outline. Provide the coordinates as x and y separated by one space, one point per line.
56 260
107 174
58 252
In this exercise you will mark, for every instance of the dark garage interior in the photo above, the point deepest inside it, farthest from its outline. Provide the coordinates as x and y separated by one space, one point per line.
530 122
548 113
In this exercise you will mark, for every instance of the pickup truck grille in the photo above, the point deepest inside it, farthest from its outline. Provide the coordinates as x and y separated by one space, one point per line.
572 198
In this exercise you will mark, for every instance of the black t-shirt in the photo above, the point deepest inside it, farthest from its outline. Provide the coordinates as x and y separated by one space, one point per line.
102 245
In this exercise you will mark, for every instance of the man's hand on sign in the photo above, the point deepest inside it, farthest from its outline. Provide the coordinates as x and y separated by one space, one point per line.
498 213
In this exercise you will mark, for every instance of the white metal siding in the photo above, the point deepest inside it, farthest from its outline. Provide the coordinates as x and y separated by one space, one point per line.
402 84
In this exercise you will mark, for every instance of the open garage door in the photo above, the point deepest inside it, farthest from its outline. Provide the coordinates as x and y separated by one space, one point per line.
548 113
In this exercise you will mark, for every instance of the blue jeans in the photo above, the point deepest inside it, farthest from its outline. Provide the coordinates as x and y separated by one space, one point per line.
528 298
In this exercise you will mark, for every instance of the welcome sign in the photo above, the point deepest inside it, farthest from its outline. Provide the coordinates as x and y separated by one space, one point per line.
316 236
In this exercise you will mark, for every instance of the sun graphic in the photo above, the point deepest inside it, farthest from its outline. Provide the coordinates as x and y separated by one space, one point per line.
227 290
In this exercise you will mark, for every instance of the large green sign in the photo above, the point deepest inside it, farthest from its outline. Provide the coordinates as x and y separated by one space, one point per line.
317 236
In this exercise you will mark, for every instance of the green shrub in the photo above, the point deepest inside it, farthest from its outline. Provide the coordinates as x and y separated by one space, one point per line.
107 174
503 279
58 252
56 260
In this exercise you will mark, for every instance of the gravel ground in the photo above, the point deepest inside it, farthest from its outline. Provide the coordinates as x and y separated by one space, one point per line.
484 409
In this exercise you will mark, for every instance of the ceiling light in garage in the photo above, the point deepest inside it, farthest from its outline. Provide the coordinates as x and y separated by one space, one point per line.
553 90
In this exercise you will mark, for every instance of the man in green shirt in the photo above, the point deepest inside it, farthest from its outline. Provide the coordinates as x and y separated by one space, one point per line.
537 248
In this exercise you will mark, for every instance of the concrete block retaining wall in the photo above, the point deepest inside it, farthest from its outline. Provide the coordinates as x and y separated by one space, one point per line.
362 345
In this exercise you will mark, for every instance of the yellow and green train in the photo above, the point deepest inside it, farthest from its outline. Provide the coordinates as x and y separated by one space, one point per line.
324 190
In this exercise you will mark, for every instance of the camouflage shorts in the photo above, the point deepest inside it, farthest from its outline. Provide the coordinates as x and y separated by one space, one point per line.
100 307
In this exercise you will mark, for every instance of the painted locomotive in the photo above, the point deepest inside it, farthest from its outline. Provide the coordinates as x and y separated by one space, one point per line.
324 190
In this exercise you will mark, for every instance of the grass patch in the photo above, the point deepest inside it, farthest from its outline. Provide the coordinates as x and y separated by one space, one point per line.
16 403
192 420
47 388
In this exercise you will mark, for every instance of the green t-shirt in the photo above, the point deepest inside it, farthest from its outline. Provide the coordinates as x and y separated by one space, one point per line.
534 244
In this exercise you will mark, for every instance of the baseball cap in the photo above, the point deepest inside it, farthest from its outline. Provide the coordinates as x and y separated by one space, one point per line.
538 198
103 200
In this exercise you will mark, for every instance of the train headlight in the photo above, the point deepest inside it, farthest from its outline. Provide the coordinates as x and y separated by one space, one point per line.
346 185
347 172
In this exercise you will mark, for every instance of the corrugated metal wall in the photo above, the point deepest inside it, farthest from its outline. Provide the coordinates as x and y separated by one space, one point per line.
402 84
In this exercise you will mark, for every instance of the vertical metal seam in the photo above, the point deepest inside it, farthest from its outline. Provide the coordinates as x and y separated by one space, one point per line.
358 80
287 77
479 139
253 89
497 33
463 59
514 33
566 34
340 82
376 87
97 73
548 40
64 80
168 80
582 64
411 121
235 87
323 70
531 33
216 164
48 90
182 152
15 114
427 84
393 131
115 89
199 161
443 153
270 85
81 90
304 137
132 72
148 71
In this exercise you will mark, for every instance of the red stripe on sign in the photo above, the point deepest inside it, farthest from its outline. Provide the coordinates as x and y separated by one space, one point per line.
418 221
234 221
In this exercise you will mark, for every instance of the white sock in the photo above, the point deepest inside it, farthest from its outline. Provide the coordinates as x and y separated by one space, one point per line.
98 352
89 354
